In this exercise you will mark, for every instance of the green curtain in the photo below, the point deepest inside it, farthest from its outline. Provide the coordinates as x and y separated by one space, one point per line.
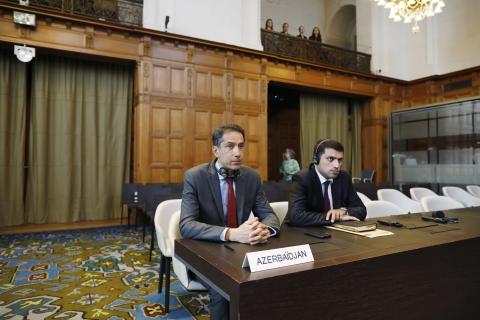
325 117
13 87
79 147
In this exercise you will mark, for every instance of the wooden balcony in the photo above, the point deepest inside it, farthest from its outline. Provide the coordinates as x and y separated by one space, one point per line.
314 51
120 11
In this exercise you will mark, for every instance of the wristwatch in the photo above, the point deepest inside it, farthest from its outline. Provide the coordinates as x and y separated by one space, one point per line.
346 211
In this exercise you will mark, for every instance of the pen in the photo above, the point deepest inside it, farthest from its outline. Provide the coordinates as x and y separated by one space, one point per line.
228 247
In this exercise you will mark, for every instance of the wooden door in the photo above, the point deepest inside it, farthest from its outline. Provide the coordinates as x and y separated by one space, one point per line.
283 132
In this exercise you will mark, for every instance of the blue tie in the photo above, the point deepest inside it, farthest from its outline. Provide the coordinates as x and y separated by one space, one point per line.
326 200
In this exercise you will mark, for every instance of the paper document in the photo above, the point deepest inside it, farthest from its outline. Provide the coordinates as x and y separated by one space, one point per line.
369 234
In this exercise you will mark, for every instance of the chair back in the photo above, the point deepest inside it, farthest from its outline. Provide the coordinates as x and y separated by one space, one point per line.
178 267
379 208
133 194
156 193
418 193
276 191
461 196
399 199
367 175
280 209
363 197
163 215
435 203
474 190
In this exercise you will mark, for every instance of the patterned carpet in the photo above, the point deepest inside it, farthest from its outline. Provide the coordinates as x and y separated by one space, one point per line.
87 274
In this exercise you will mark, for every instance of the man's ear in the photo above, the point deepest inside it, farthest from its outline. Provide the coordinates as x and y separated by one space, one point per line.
215 151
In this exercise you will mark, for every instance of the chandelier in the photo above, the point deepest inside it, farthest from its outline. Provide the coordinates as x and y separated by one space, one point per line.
412 10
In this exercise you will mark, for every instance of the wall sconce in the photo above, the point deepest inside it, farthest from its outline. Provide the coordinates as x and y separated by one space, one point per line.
27 19
24 53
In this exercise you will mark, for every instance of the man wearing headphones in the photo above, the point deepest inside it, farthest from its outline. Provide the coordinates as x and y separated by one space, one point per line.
323 194
218 198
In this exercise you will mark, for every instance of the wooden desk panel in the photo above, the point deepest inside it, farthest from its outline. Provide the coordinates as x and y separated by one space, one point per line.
412 274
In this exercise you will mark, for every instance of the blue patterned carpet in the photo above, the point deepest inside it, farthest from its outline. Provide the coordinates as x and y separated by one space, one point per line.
87 274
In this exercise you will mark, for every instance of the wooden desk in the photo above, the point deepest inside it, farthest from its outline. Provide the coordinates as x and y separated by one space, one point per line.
413 274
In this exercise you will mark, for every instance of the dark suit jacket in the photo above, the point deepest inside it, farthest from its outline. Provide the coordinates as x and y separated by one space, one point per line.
202 215
305 207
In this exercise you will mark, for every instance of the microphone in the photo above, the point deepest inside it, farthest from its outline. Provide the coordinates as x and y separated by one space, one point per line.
167 20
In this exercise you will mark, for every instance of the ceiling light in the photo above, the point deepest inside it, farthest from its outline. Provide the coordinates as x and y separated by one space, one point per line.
24 53
412 10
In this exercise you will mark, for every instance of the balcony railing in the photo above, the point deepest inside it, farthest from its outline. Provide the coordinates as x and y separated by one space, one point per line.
314 51
120 11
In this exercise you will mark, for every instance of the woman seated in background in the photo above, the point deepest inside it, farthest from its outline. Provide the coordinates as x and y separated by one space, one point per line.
269 24
289 165
316 36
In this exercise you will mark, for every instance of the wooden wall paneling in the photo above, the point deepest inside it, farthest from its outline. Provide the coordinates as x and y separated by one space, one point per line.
245 64
363 86
209 59
168 51
240 88
203 84
217 85
312 77
337 82
55 33
183 83
281 72
253 90
142 148
161 78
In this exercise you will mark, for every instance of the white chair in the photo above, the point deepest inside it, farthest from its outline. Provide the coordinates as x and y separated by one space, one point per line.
435 203
363 197
474 190
280 209
418 193
178 267
461 196
367 176
379 208
165 238
399 199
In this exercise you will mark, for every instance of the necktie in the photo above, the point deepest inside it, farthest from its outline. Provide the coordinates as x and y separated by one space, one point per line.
326 200
231 205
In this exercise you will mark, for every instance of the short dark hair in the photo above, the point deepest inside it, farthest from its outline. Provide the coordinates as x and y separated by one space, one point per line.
217 135
323 144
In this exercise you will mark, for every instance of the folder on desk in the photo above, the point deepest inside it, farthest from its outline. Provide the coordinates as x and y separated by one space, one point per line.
355 226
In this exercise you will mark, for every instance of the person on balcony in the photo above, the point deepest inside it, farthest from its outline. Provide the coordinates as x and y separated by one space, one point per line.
301 32
285 27
269 24
316 36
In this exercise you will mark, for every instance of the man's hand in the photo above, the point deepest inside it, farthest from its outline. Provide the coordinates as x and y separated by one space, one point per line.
335 214
252 232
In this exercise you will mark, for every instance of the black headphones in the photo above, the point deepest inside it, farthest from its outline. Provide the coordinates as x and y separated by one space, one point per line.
228 173
316 157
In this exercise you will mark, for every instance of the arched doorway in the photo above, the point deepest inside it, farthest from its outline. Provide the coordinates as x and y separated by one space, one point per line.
342 29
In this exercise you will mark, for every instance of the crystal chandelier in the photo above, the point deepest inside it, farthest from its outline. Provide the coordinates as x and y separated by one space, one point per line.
412 10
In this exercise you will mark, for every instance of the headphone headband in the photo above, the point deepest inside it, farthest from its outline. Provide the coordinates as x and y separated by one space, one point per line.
316 158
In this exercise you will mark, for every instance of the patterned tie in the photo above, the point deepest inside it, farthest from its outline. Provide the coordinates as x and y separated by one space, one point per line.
326 200
231 205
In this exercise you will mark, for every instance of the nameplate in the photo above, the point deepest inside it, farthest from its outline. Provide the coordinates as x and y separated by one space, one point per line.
276 258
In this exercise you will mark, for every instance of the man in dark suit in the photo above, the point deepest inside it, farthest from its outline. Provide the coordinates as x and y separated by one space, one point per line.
322 194
218 198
